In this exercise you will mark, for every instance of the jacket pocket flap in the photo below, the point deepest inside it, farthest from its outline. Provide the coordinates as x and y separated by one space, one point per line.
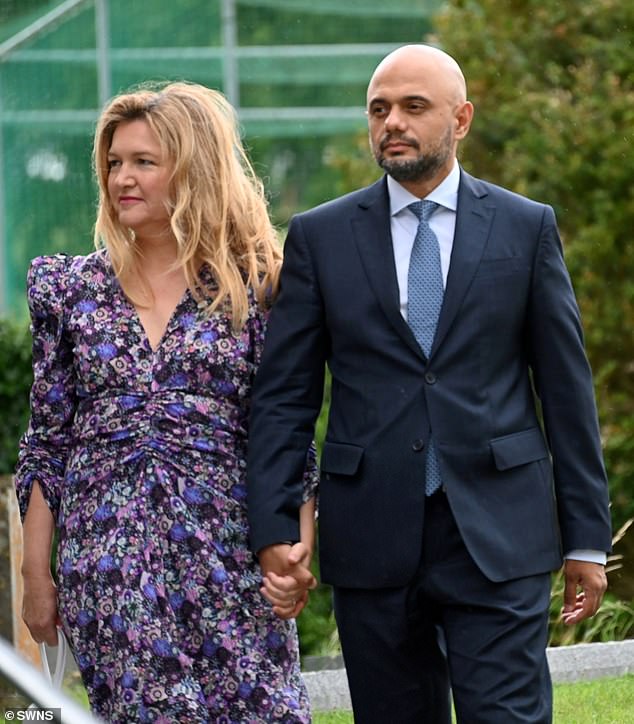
518 448
341 458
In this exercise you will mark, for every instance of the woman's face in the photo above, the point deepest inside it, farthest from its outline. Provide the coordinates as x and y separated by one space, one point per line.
138 181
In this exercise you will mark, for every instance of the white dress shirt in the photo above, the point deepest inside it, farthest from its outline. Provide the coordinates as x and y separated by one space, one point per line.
442 222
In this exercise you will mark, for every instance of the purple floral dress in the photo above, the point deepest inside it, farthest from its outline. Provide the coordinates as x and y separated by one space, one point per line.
140 455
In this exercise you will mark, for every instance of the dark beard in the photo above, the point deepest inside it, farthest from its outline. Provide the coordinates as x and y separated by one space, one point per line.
423 167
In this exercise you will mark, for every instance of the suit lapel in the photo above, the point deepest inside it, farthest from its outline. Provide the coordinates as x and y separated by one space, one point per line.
373 239
473 225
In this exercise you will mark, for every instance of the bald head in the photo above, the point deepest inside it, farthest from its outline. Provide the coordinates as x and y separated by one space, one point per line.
422 61
418 112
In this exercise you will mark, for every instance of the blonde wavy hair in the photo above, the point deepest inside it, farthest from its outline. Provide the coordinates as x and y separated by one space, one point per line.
218 210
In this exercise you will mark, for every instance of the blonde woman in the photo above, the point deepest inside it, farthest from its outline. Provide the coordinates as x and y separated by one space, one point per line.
144 353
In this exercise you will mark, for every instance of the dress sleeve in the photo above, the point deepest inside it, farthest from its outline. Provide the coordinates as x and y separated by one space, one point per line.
311 472
45 445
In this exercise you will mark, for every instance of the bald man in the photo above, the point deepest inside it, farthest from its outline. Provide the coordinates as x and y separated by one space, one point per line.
443 309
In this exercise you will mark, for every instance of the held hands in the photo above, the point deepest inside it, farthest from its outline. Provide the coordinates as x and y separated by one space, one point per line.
39 608
287 577
591 579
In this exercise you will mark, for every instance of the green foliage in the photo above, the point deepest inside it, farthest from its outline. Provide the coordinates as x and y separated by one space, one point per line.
553 88
613 622
15 383
316 624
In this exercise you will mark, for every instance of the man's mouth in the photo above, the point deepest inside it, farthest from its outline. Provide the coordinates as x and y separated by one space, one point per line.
396 145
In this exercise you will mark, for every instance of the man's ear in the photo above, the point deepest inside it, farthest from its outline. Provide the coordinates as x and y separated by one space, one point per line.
463 116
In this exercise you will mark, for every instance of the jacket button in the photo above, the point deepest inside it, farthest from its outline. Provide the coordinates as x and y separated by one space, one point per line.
430 378
418 445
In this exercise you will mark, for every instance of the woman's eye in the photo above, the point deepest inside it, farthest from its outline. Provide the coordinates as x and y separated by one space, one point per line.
112 163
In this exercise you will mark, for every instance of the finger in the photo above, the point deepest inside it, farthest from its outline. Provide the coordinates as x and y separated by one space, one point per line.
576 616
304 577
300 576
293 609
273 600
285 587
570 595
276 601
592 602
51 637
282 598
298 553
284 583
586 606
43 634
573 616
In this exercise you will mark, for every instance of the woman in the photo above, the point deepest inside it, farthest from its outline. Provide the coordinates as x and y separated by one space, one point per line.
144 353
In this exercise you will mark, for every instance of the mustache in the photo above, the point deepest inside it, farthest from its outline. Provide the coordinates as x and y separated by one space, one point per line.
391 138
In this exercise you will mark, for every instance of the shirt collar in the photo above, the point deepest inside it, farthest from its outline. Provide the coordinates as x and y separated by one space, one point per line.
445 194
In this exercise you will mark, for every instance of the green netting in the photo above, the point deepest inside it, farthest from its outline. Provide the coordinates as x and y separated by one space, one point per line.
391 9
296 69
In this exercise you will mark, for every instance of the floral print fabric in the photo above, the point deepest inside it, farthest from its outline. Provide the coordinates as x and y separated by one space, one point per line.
140 455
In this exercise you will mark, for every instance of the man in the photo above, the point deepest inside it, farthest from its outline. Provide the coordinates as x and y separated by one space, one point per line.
443 505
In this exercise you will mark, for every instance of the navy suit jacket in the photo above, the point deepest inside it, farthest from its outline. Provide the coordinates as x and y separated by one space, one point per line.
508 338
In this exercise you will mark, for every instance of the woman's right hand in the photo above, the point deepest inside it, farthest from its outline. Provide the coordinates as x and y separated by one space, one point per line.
39 608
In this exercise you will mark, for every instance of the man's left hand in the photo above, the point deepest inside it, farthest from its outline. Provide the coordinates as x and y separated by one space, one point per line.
584 588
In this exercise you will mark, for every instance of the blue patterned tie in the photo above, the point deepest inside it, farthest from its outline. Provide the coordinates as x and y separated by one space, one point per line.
424 298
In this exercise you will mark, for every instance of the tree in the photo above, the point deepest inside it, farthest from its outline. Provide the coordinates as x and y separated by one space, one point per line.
15 383
553 86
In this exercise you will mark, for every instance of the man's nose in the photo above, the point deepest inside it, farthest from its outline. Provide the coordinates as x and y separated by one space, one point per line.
394 120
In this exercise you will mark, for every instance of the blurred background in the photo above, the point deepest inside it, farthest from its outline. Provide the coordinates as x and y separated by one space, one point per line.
296 70
553 86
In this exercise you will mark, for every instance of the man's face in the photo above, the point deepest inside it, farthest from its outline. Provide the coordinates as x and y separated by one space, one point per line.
412 122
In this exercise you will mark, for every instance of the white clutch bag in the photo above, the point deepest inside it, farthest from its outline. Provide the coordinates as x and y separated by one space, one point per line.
56 677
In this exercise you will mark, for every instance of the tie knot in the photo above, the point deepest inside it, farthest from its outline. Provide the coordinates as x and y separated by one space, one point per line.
423 209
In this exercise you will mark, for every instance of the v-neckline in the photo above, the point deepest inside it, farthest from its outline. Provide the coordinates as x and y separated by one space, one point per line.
139 323
170 320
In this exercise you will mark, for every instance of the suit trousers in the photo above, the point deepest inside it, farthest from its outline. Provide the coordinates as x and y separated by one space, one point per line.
450 627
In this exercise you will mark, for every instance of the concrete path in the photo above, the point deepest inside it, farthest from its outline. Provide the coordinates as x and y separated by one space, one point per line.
328 688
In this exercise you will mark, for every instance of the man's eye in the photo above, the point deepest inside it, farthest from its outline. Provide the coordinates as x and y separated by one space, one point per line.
378 111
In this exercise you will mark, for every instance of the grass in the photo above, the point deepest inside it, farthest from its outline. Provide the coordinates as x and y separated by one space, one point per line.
603 701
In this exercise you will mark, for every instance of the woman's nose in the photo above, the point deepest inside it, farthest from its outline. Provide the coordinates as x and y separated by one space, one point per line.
124 176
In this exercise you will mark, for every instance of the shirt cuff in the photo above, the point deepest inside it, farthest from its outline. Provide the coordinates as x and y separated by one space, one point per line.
590 556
